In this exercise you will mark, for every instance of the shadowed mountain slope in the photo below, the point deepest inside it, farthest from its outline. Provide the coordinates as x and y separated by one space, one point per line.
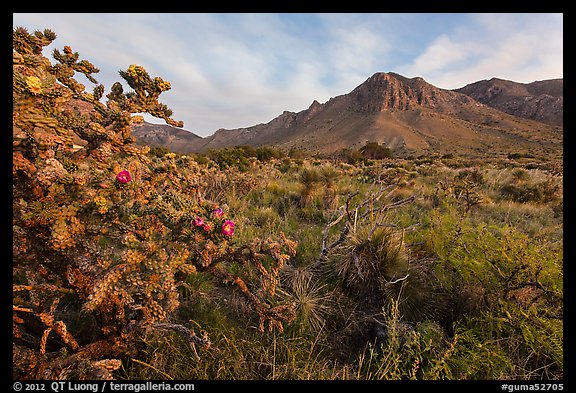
541 100
409 115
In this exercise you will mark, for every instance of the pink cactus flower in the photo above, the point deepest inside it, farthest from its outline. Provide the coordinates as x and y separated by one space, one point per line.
198 221
228 228
207 227
218 212
124 177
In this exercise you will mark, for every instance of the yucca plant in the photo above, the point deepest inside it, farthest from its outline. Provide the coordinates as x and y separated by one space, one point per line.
375 265
367 258
309 178
311 299
328 176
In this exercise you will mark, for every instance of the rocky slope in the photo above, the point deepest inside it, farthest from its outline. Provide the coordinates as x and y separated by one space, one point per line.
163 135
541 100
410 115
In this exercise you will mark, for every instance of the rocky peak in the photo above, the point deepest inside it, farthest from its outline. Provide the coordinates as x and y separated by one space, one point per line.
391 91
284 120
314 106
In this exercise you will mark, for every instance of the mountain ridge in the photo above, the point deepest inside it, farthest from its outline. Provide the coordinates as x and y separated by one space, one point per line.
409 115
539 100
164 135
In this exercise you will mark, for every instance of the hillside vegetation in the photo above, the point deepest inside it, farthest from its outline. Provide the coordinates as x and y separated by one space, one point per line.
136 263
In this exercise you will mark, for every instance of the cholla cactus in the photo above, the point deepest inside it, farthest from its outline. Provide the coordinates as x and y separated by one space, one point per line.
105 226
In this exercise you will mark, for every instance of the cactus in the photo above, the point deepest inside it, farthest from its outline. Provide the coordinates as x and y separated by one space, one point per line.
105 227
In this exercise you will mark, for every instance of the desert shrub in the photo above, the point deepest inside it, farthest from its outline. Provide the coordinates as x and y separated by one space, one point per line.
328 176
520 175
235 157
375 267
201 159
504 286
285 165
466 194
540 192
225 186
406 351
247 151
558 209
158 151
350 156
266 153
509 342
369 259
265 217
365 256
243 157
107 231
472 175
297 154
318 182
375 151
516 156
309 178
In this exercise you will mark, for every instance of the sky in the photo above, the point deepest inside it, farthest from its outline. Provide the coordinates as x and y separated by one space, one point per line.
233 70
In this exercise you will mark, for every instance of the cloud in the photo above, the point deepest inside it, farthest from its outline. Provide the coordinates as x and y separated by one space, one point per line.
237 70
442 53
518 47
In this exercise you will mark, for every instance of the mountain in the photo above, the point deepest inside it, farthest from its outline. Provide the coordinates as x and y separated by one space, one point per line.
540 100
409 115
163 135
159 135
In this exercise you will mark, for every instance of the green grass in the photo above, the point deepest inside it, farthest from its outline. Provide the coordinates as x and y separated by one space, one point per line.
483 299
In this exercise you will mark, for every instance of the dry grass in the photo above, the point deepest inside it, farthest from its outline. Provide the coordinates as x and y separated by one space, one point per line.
313 301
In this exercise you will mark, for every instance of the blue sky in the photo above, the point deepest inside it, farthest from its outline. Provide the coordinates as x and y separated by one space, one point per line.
231 70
